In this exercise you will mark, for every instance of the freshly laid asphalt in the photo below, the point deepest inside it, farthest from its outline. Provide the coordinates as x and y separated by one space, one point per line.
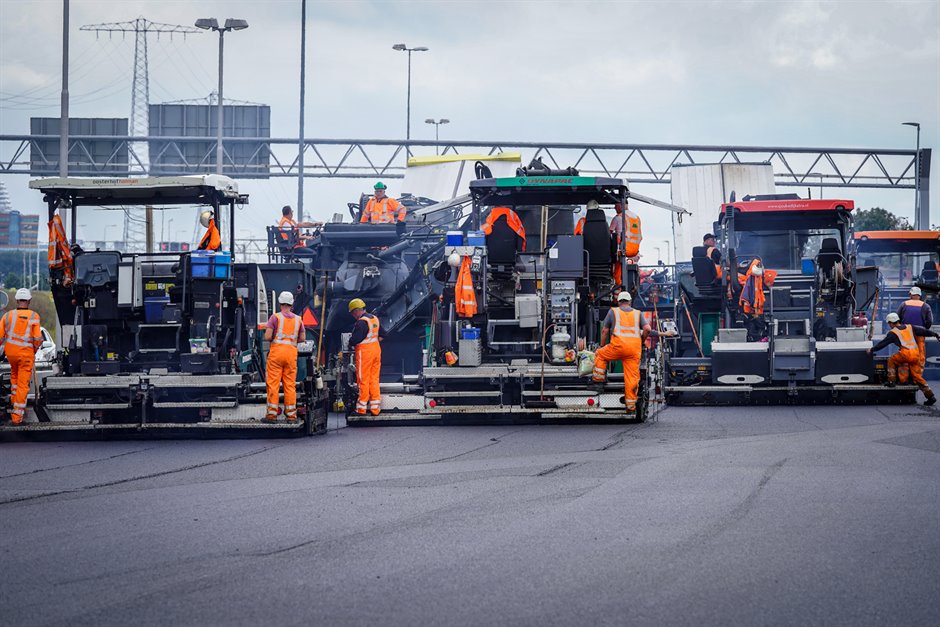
731 516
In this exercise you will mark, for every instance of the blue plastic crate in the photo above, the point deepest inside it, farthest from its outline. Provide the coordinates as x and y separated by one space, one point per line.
207 263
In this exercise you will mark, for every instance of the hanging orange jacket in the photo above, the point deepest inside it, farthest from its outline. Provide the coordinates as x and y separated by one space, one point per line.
383 211
752 297
464 293
512 219
211 240
59 254
579 227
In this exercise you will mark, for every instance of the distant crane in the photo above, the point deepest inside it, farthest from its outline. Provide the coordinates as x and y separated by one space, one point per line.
140 96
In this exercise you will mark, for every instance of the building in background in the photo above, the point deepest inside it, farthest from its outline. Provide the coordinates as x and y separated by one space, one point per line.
17 230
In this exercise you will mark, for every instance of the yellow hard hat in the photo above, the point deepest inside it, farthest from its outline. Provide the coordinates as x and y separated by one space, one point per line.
357 303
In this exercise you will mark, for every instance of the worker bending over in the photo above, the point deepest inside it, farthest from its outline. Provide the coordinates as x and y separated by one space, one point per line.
365 340
626 328
904 337
20 338
284 330
382 210
915 311
212 240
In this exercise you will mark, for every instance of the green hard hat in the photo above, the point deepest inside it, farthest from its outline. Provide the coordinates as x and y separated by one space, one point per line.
379 185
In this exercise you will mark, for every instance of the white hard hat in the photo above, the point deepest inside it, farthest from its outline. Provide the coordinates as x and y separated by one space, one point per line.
593 204
624 296
757 270
454 260
893 317
23 294
915 291
285 298
204 218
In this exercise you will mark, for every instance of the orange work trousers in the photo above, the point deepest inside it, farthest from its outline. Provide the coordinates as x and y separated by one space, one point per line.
22 359
628 351
911 359
368 365
282 368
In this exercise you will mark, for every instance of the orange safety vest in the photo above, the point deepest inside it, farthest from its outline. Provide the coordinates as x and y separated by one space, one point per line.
708 253
626 331
632 233
20 328
512 219
382 212
59 254
464 293
372 336
211 240
579 227
288 331
908 341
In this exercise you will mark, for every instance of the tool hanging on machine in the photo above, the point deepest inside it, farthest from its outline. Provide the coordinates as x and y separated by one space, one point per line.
685 305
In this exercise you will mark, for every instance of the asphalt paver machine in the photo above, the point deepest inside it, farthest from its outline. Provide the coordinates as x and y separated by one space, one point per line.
162 341
810 344
539 303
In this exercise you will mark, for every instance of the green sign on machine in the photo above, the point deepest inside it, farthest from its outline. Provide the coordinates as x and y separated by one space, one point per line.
546 181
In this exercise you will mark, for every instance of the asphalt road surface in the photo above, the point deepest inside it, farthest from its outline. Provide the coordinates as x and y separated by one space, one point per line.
742 516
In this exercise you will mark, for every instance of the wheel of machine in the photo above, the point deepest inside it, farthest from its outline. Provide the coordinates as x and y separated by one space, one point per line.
643 400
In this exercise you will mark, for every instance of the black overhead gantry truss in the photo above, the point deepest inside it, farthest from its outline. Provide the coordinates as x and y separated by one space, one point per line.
371 158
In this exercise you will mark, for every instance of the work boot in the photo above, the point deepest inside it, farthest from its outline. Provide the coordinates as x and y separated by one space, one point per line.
930 401
269 419
597 386
890 383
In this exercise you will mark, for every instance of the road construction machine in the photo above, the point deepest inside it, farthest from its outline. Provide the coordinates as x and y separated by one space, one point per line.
905 259
157 342
807 340
539 295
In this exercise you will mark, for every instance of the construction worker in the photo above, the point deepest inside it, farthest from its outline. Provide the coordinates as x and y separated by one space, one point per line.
288 222
365 340
212 240
915 311
381 209
712 252
627 329
20 338
626 228
904 336
284 330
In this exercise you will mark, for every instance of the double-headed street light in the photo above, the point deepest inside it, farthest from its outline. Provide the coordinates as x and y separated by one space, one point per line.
918 223
405 48
210 23
437 127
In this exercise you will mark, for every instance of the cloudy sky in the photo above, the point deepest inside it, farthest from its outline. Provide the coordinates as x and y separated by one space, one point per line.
826 74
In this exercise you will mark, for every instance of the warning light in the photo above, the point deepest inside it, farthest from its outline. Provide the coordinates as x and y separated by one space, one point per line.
432 403
590 402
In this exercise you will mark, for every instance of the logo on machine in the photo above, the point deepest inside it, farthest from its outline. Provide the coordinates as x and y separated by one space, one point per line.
546 180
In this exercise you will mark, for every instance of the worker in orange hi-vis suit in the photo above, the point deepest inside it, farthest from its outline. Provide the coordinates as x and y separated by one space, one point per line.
366 335
284 330
627 329
383 210
904 337
20 338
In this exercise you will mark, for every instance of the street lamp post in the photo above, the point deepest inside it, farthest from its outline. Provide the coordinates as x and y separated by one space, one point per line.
918 222
437 127
210 23
405 48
